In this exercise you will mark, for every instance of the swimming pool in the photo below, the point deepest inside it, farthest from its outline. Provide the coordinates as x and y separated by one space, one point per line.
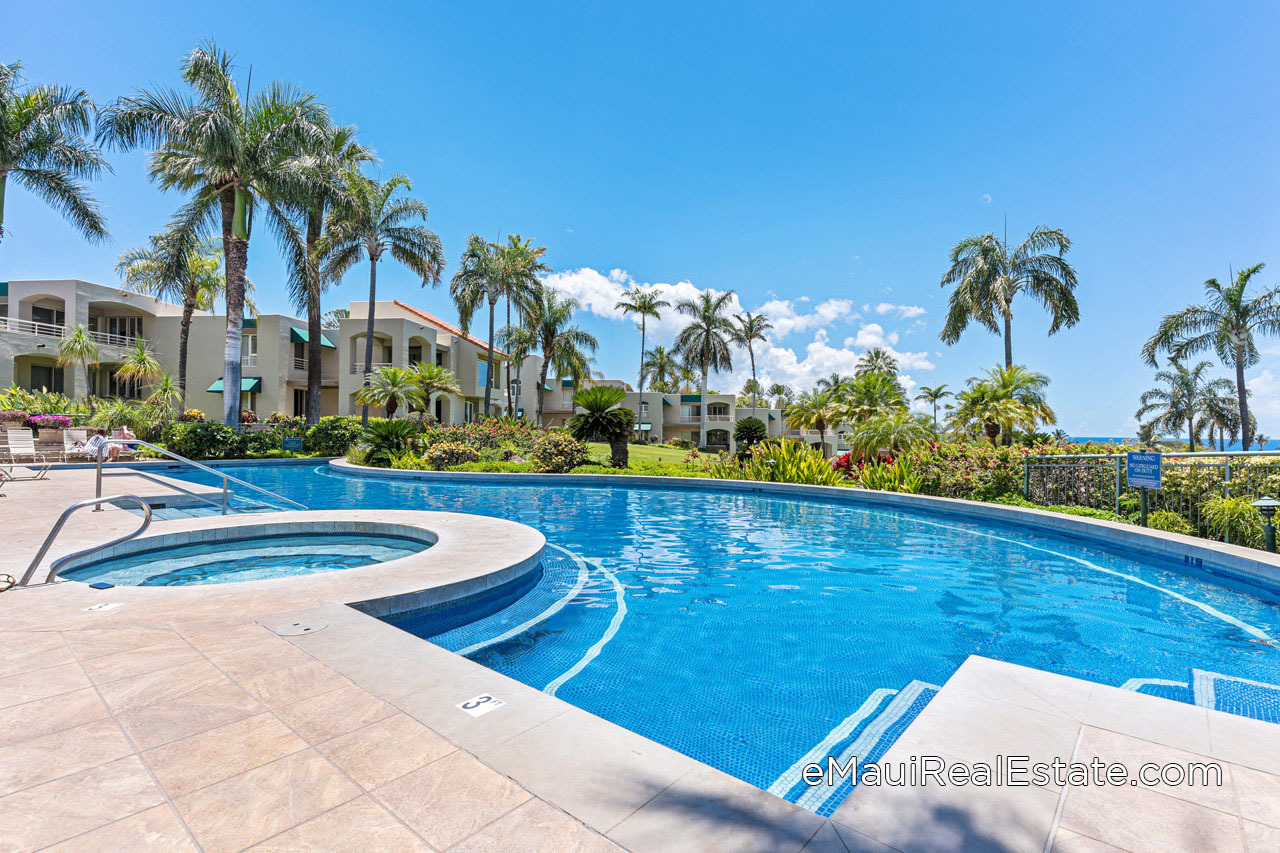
752 631
244 559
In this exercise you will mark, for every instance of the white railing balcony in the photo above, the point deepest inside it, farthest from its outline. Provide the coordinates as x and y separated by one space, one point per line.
52 330
299 363
711 419
249 360
359 368
110 340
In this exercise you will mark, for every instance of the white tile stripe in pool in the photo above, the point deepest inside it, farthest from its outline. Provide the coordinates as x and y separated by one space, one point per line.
791 776
814 798
1136 684
1212 611
555 608
614 624
1203 686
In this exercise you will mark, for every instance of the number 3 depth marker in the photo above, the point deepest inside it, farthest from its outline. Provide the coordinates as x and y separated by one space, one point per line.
482 704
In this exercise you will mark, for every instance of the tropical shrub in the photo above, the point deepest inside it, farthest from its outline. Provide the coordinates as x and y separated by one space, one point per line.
141 418
557 453
971 470
749 432
1170 522
778 460
515 433
204 441
680 443
13 415
410 461
892 433
446 454
845 466
1086 511
248 416
890 476
387 439
43 401
356 454
192 416
599 420
333 436
50 421
1233 518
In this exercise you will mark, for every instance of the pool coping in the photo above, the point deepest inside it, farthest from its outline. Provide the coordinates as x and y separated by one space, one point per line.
1234 561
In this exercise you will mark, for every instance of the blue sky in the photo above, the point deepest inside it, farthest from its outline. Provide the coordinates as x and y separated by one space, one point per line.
818 159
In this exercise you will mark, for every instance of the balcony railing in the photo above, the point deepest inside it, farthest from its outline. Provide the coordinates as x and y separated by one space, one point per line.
249 360
52 330
359 368
299 363
711 419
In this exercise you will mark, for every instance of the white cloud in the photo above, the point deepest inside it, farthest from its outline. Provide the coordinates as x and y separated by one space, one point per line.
906 312
986 198
599 293
1264 400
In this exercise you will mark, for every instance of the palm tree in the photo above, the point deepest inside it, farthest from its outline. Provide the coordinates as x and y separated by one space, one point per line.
662 366
704 343
44 149
389 387
519 342
372 220
988 276
602 420
876 360
165 398
519 265
1226 323
746 329
817 410
315 187
141 366
79 347
1005 398
780 393
1187 396
932 396
644 303
170 267
434 379
688 379
562 343
834 382
895 432
870 395
234 150
751 389
333 317
1223 419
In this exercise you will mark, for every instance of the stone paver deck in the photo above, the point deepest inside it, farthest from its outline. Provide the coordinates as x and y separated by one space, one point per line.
182 721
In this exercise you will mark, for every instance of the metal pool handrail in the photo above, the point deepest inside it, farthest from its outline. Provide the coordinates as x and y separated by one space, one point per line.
226 478
62 519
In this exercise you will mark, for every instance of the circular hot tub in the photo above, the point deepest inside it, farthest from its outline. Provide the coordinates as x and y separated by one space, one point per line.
261 552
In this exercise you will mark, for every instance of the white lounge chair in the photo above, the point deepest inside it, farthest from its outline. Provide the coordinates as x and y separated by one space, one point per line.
22 449
73 442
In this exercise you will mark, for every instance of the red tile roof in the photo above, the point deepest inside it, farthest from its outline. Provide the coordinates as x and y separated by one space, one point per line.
453 330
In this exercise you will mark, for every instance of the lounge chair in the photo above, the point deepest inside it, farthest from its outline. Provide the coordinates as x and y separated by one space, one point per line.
22 449
126 452
73 442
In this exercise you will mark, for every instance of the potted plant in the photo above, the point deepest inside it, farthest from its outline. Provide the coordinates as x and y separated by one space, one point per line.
13 419
49 428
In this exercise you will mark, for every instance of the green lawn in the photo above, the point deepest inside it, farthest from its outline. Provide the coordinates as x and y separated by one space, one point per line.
636 453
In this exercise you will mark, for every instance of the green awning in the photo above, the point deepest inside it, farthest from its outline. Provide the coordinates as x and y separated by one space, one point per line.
4 288
566 383
771 417
248 385
249 323
299 336
690 398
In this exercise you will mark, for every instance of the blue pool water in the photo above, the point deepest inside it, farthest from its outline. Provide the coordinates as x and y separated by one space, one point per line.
248 559
751 631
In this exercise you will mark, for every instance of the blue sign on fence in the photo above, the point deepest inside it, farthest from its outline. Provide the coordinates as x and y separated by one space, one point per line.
292 443
1143 470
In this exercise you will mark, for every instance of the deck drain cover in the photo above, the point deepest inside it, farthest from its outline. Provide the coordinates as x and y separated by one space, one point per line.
296 629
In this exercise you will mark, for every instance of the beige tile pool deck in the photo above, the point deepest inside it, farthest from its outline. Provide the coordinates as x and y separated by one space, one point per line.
180 720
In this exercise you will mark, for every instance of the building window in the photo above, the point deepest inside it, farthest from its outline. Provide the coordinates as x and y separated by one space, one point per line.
46 376
50 316
415 355
126 388
249 350
644 410
440 357
300 396
482 373
469 412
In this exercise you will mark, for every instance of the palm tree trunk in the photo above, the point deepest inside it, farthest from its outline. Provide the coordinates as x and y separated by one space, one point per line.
4 179
640 380
935 416
315 353
236 241
510 404
702 410
1008 340
368 335
1191 435
519 368
184 334
755 384
542 382
488 377
88 386
1246 435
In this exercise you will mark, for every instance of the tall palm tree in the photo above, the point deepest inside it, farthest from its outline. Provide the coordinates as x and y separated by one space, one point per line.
1226 323
519 265
1187 396
876 360
373 220
233 150
43 147
988 275
389 387
141 366
816 410
79 347
333 317
660 365
870 395
704 343
780 394
932 396
745 330
519 342
314 187
688 378
562 343
1223 419
170 267
644 303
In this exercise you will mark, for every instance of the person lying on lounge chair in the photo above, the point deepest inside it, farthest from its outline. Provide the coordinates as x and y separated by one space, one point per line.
96 441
